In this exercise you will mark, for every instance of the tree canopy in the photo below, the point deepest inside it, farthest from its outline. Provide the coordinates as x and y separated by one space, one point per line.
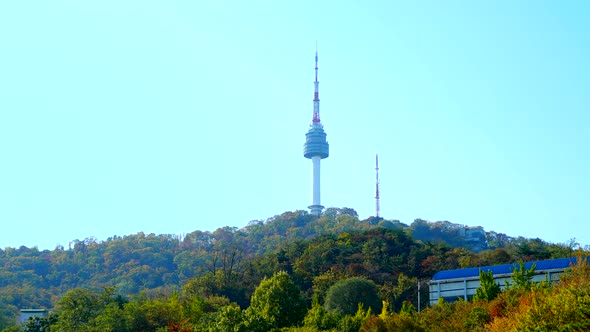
278 302
230 263
345 296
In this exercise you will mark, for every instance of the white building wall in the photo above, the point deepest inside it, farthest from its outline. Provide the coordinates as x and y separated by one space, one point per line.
465 288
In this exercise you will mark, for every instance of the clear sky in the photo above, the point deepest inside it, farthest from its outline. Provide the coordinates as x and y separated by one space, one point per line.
173 116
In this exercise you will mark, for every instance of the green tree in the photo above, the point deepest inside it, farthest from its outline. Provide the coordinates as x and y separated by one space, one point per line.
488 289
40 324
521 277
6 319
324 281
350 323
493 257
320 319
278 302
163 311
477 317
345 296
111 318
333 212
230 319
397 294
77 309
563 307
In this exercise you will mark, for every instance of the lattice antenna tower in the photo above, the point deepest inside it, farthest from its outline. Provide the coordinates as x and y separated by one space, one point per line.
377 185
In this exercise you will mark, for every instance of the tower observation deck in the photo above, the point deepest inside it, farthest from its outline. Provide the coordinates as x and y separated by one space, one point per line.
316 147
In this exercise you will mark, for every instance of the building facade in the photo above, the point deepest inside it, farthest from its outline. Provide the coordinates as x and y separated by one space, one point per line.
452 285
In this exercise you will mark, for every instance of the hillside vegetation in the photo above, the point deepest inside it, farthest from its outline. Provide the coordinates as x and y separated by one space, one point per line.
217 274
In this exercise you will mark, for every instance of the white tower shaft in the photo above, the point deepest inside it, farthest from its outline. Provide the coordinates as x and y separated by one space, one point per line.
316 207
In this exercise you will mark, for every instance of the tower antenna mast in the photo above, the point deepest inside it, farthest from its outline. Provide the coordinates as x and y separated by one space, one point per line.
316 92
377 185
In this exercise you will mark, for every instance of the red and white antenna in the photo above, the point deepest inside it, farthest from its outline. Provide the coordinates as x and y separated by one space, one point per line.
377 185
316 92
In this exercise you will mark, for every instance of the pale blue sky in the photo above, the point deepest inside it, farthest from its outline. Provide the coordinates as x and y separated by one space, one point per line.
172 116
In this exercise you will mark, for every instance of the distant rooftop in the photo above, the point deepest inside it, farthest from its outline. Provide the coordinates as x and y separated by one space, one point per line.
559 263
33 310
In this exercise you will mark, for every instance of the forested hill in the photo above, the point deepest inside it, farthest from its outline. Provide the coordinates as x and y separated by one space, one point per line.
231 262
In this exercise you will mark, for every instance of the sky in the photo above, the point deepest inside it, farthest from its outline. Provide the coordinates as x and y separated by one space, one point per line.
166 117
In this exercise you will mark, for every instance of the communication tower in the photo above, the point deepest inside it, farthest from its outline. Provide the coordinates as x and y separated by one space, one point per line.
316 147
377 185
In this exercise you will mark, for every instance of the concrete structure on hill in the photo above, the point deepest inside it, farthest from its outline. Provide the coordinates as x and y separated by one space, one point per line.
463 283
316 147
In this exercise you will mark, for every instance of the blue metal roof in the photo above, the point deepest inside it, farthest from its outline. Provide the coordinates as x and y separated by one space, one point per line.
550 264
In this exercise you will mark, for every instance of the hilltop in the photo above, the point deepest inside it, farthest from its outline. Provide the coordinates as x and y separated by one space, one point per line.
232 261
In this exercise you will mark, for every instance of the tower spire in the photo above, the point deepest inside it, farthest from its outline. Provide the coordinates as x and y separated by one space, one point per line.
316 92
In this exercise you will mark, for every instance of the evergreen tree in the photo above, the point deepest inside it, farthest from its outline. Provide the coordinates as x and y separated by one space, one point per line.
488 289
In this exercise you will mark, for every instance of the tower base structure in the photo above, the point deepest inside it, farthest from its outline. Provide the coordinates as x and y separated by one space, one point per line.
316 210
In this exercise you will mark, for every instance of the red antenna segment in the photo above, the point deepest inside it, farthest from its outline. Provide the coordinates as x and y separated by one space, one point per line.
316 92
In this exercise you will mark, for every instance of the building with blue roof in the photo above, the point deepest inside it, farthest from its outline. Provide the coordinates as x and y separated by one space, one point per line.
26 314
463 283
